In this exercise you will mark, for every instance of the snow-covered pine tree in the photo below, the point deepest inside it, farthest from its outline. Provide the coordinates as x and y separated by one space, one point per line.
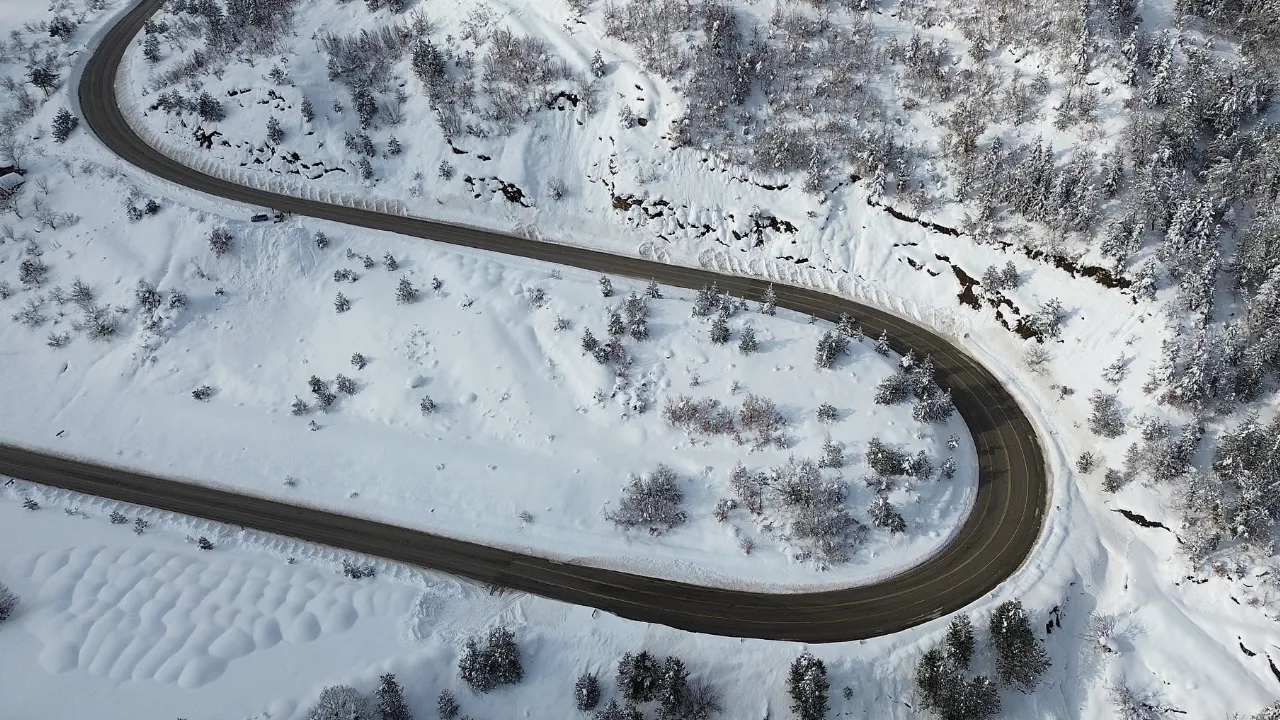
934 407
405 291
959 643
341 304
720 329
8 603
447 706
606 286
586 692
885 515
63 123
830 346
1106 416
882 344
747 344
673 689
151 49
769 301
1022 658
832 454
490 667
639 677
390 697
275 133
808 686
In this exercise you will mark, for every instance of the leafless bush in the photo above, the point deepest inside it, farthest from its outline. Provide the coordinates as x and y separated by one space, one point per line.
32 272
1130 704
760 415
749 489
31 313
817 518
652 501
99 323
705 416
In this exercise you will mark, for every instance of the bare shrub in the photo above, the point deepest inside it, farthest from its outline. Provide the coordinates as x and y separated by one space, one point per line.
817 518
652 501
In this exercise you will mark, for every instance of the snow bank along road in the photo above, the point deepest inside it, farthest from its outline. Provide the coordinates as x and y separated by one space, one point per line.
998 535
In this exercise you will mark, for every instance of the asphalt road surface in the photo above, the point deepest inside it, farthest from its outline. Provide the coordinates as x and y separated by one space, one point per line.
998 535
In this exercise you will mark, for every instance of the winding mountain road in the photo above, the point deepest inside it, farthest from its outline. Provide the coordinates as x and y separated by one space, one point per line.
998 535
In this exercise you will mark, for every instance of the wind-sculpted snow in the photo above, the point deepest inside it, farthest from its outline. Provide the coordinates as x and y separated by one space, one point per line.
143 614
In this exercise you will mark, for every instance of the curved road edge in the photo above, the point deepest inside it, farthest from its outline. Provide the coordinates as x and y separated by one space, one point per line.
1000 532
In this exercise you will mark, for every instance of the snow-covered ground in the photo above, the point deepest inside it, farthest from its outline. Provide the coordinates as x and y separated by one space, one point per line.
517 427
1199 642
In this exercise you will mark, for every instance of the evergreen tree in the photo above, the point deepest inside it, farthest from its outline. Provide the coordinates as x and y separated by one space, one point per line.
673 689
808 686
8 603
597 65
490 667
151 49
406 292
720 329
63 123
616 328
606 286
275 133
639 677
613 711
1021 657
885 515
358 360
832 455
882 344
447 706
830 346
586 692
959 642
1106 416
390 697
935 407
209 109
341 303
769 301
707 301
390 262
652 290
846 327
308 110
589 342
747 344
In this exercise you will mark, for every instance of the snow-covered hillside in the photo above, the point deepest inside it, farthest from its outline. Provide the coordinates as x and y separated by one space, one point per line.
524 420
1156 562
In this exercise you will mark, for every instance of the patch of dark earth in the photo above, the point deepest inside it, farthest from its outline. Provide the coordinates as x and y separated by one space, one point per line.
1140 520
